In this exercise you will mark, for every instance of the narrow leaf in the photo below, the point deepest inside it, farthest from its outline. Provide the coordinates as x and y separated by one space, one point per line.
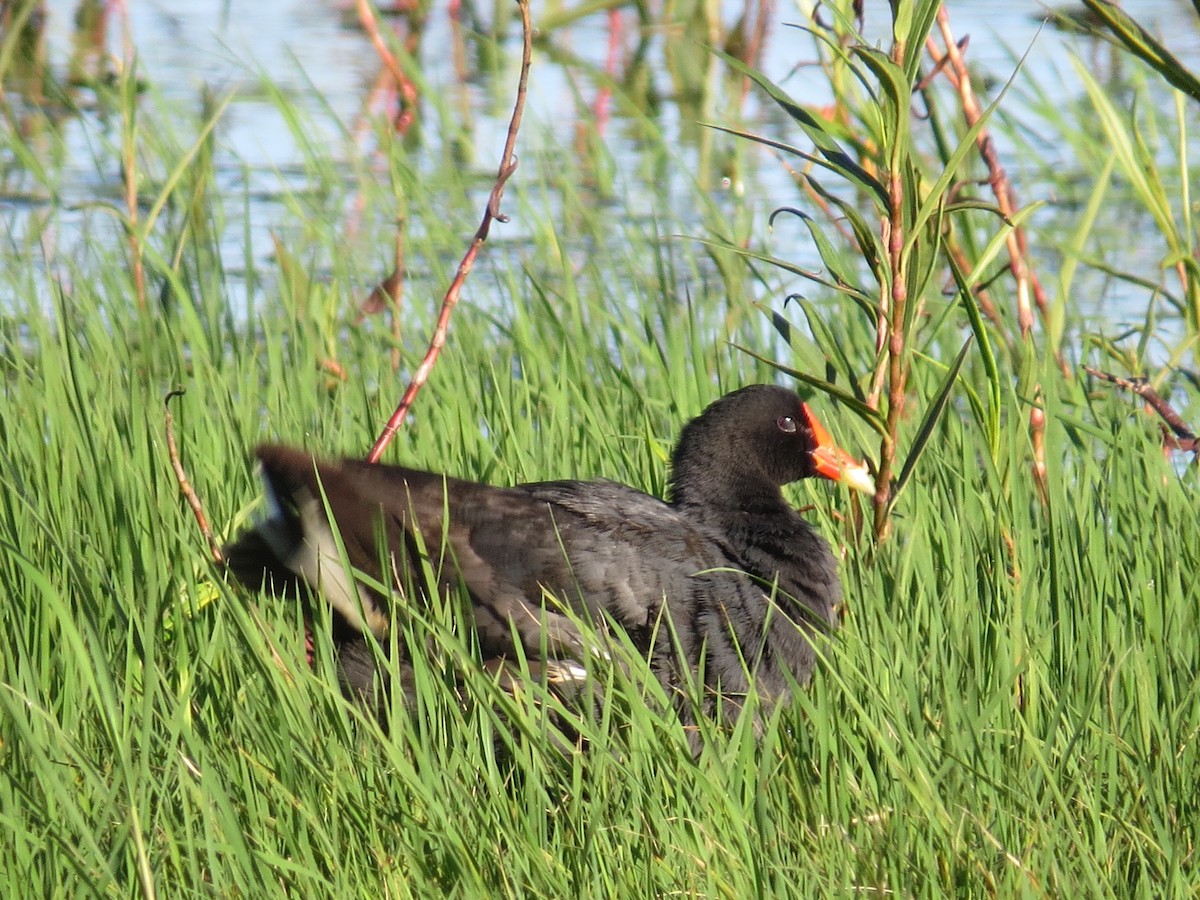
1138 41
860 409
980 331
829 254
839 160
951 169
869 242
918 30
863 300
932 415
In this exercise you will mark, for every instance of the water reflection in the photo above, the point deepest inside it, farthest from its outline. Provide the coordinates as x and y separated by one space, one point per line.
613 75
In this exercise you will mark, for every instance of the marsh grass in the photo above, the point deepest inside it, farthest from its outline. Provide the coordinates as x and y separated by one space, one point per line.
1012 707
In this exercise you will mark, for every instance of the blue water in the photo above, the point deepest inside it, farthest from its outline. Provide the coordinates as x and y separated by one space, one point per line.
316 54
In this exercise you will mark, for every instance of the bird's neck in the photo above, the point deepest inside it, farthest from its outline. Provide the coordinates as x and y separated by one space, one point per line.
723 493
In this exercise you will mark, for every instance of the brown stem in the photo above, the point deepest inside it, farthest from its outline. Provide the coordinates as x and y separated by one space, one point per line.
508 165
756 38
895 337
1182 438
891 226
1027 281
408 90
129 171
1037 436
185 486
892 332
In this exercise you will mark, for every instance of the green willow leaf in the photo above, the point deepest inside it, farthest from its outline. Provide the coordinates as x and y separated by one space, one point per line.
980 331
932 415
1138 41
839 160
920 23
830 255
778 145
867 238
861 298
977 205
826 339
821 334
951 169
899 95
860 409
997 242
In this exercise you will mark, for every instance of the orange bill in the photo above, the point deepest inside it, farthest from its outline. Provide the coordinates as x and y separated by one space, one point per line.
834 463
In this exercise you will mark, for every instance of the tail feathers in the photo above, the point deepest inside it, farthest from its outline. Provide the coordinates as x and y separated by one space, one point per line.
293 549
293 544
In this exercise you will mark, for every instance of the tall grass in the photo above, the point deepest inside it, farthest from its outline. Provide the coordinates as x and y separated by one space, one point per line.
1011 709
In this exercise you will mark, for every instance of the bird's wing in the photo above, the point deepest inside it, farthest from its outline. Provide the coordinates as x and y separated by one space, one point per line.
532 557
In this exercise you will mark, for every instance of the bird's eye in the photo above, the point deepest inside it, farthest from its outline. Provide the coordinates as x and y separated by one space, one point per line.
786 424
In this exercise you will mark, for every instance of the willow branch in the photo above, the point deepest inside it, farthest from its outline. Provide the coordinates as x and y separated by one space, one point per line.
508 165
1182 437
185 486
1026 280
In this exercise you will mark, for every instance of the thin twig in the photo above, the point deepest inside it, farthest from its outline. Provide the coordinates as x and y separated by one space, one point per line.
1182 437
185 486
508 165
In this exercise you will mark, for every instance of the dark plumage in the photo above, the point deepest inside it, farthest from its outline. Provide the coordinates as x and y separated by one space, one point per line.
724 551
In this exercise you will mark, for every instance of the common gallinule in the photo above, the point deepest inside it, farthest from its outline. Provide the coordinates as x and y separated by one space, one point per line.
745 581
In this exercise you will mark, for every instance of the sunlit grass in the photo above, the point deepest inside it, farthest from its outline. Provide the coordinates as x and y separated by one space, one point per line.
1012 707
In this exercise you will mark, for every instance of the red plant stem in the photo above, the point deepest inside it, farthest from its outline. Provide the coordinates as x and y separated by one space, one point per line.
508 165
1141 387
1037 439
756 38
185 486
1027 281
408 90
600 109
